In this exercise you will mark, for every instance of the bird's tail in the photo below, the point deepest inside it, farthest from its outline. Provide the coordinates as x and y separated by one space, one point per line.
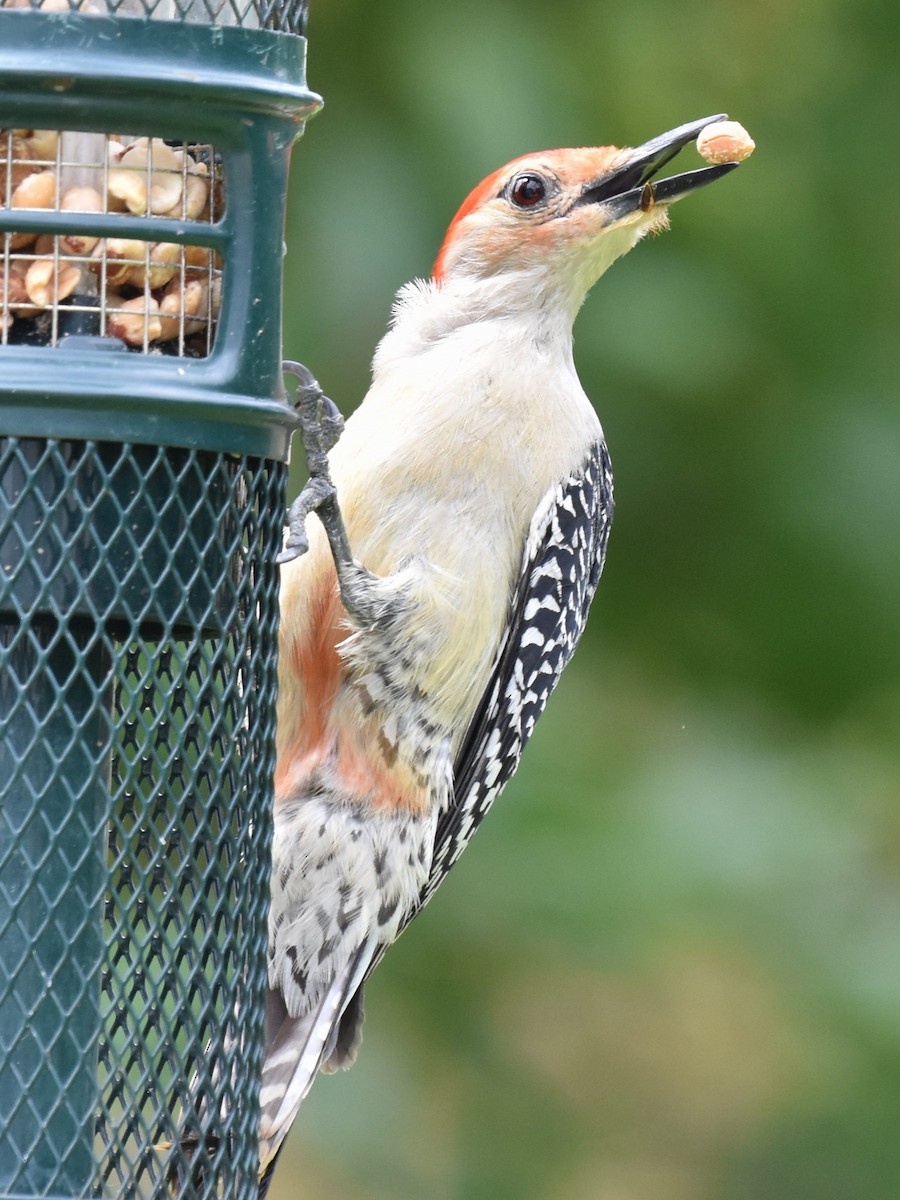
297 1048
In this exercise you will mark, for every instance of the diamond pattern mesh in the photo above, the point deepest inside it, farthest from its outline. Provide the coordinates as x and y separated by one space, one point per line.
282 16
138 624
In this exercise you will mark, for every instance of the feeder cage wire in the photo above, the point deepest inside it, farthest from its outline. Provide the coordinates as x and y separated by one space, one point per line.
144 435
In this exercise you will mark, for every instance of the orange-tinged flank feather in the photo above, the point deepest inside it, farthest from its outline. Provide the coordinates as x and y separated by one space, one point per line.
363 766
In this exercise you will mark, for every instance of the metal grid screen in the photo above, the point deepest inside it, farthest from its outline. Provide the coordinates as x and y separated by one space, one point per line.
281 16
151 294
138 624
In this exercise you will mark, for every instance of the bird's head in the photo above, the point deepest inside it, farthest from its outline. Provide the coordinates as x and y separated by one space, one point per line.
554 221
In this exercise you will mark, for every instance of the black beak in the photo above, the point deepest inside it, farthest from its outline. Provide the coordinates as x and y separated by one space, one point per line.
628 187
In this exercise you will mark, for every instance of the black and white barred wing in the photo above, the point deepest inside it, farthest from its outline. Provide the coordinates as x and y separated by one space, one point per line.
561 568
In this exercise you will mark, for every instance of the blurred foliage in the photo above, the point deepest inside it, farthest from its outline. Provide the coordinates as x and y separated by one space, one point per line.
669 966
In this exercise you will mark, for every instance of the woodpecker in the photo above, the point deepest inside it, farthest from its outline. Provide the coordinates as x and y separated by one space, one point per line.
427 616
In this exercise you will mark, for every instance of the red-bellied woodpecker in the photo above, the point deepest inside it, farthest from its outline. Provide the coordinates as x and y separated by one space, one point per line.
464 516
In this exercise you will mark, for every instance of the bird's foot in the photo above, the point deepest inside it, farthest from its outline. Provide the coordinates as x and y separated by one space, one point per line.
321 425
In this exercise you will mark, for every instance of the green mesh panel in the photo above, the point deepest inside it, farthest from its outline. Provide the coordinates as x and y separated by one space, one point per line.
284 16
138 626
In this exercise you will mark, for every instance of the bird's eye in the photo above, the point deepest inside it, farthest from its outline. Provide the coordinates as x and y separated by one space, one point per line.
526 191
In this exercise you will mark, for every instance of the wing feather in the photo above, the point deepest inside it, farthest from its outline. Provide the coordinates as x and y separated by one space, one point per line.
561 565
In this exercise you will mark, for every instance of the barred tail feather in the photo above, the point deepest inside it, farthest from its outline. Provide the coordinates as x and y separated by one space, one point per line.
296 1048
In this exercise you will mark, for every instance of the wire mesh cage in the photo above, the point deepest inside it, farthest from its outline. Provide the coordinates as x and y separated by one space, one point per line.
144 433
150 295
286 16
136 686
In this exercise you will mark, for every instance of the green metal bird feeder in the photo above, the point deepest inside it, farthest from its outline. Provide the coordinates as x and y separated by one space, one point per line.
144 432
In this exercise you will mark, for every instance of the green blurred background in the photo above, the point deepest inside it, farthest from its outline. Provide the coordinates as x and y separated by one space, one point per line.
668 968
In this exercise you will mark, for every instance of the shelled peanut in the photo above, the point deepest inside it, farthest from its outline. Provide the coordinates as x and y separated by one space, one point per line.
23 152
47 282
33 284
725 141
83 200
135 321
13 292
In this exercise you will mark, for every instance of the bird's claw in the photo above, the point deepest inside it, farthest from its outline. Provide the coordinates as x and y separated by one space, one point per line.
313 496
320 420
330 423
